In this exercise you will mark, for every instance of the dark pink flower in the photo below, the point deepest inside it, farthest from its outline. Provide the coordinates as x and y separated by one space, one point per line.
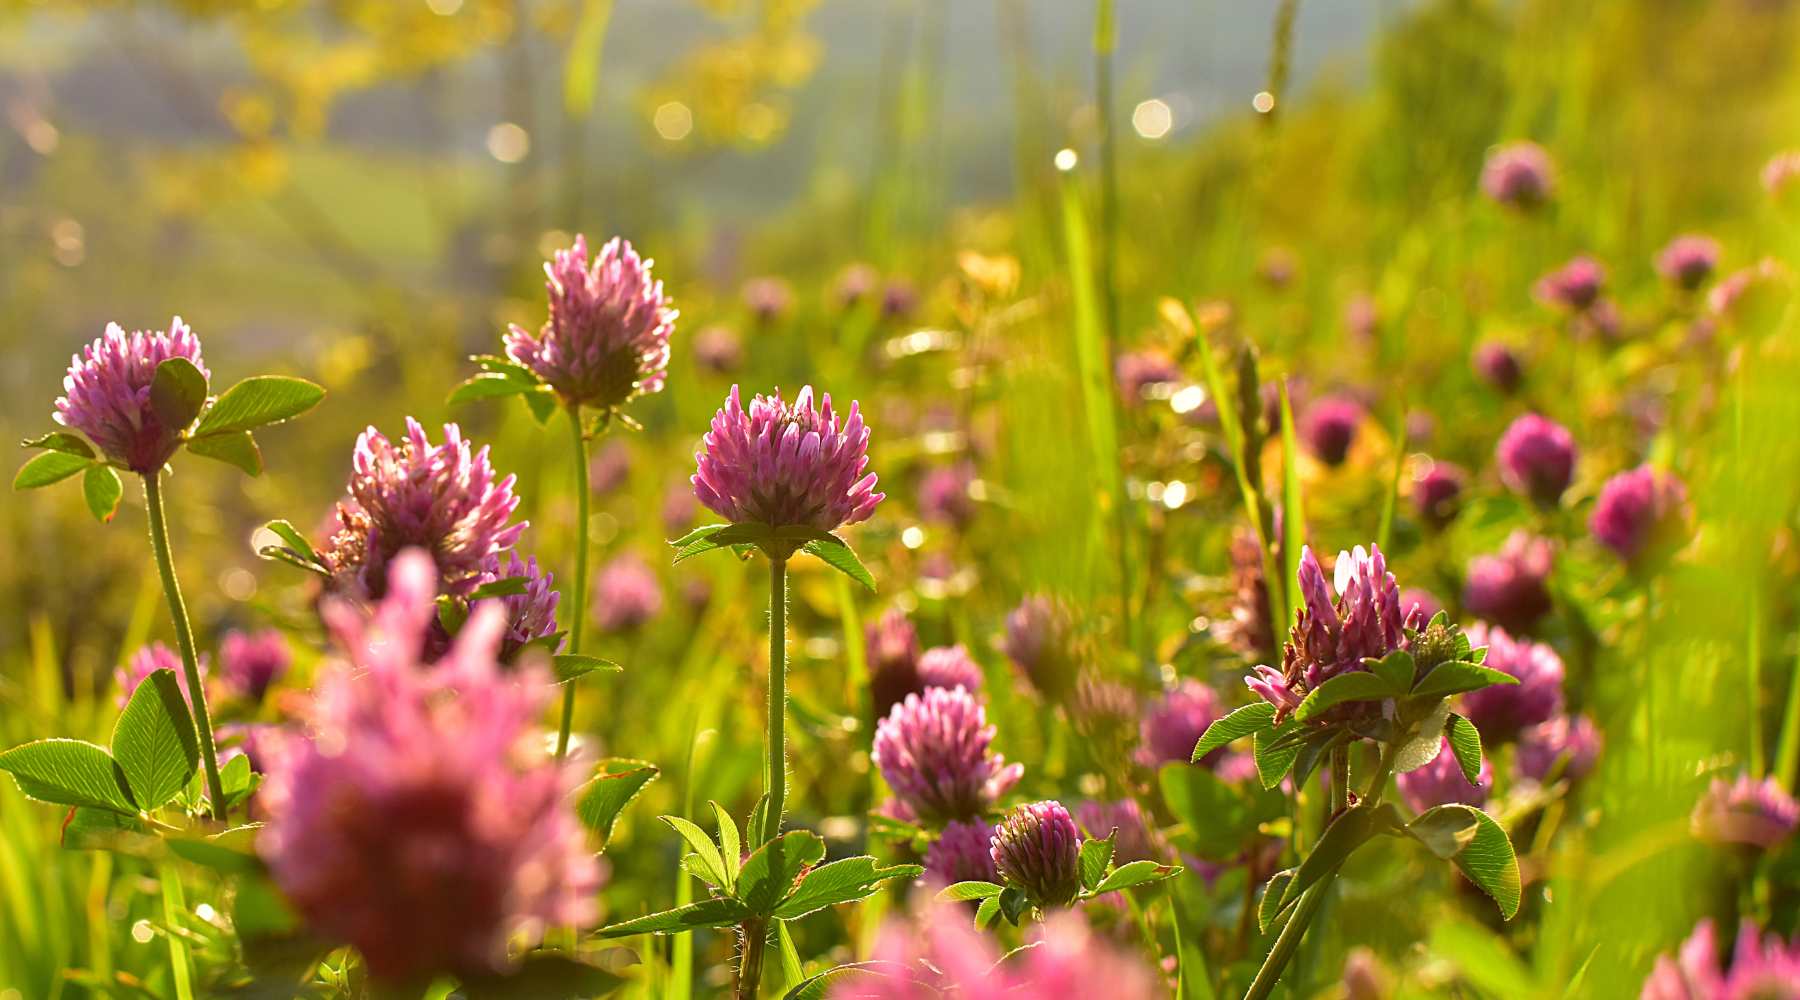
891 649
1175 722
1037 848
1755 813
445 499
530 616
934 749
251 661
607 338
1248 628
1518 175
1437 491
944 495
786 464
1498 365
1135 840
949 667
1331 635
1510 588
107 394
1761 968
960 854
1566 746
1688 260
1502 710
1442 782
1537 458
1573 287
1329 428
148 660
1640 514
1419 604
769 299
421 820
718 348
1040 642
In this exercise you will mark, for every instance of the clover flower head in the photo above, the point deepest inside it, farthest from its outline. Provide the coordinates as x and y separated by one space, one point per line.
1640 513
106 394
1537 458
949 667
1518 175
1760 968
960 853
1510 587
1573 287
1175 722
1571 741
1688 260
606 340
627 594
935 751
420 819
530 615
147 660
249 662
1498 365
1754 813
1437 491
1442 782
1502 710
781 463
1040 641
1037 848
1329 428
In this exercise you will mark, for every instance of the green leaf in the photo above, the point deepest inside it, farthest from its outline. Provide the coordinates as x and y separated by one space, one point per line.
257 402
490 385
1465 743
819 987
1396 668
297 550
1355 685
730 846
234 448
768 875
616 782
988 910
1219 818
1014 904
1426 740
1488 859
791 972
838 554
1273 757
698 867
101 488
90 829
1249 719
1484 959
508 586
543 976
1136 873
70 773
232 851
711 863
721 536
49 467
720 911
1096 858
237 781
569 666
177 392
1350 830
1293 514
63 441
964 891
843 881
1456 677
1314 749
542 405
1271 906
1444 832
154 741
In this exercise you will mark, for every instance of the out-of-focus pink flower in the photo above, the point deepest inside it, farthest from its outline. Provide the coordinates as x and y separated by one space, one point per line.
855 283
718 349
106 394
1329 428
421 820
1145 374
1641 514
1498 365
148 660
934 749
1761 968
781 463
1442 782
1510 588
891 649
1781 173
1363 977
1362 318
1502 710
944 495
1537 458
606 340
1040 642
1038 849
1175 722
1135 840
1419 604
1518 175
1437 492
1278 267
1754 813
1751 294
1571 741
898 299
678 508
1573 287
960 854
626 594
769 299
445 499
1688 260
251 661
949 667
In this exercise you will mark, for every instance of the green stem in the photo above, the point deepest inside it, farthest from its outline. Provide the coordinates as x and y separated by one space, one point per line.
173 905
756 940
579 590
776 779
184 638
1787 758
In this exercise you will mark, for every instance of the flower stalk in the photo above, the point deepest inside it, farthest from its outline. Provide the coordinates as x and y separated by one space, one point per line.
776 736
184 638
580 608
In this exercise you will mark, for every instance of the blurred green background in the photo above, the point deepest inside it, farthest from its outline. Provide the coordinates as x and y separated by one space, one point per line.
362 192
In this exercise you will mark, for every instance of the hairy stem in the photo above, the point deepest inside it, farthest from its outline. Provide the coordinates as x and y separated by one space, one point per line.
184 638
756 940
776 779
579 607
